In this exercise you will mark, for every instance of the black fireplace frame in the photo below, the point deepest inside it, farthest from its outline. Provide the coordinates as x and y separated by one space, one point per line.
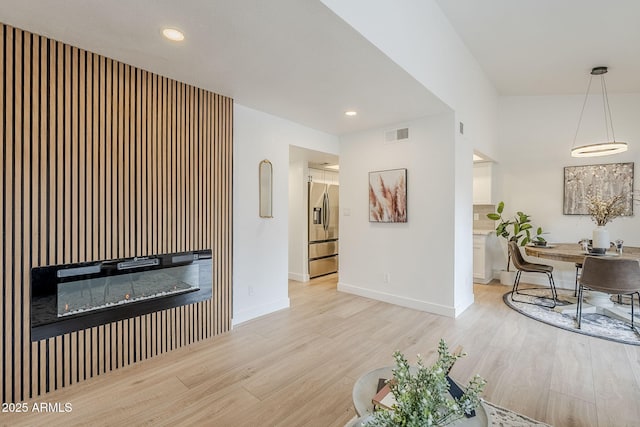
45 322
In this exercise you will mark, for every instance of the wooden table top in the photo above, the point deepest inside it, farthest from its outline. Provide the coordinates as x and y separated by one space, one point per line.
572 252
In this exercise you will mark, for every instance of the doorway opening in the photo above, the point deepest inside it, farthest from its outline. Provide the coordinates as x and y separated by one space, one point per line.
313 214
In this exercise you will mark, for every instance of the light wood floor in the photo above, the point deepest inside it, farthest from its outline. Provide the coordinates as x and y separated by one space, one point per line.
297 367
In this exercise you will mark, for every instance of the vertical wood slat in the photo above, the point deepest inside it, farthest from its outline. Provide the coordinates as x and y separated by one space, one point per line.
30 196
102 160
4 328
8 307
18 150
34 89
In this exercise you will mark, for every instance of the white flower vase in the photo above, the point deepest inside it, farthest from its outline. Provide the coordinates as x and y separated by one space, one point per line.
601 237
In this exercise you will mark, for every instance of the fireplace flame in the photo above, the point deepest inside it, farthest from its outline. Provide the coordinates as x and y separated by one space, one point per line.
127 296
66 307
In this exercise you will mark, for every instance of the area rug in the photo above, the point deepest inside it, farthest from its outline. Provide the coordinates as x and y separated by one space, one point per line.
593 324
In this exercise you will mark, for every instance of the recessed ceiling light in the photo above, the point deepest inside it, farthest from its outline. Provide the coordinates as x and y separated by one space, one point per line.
173 34
350 113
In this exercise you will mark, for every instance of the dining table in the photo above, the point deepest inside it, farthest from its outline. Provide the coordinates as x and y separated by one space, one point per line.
595 302
573 252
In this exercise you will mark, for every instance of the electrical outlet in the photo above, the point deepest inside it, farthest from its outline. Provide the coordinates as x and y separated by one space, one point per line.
250 290
386 277
476 216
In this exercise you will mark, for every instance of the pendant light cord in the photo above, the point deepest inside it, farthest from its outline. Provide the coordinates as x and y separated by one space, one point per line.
584 104
605 96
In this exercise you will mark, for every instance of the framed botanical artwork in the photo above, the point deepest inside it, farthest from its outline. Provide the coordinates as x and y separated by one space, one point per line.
603 181
388 196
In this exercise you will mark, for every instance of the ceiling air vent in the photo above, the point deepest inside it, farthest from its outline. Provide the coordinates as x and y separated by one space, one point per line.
396 135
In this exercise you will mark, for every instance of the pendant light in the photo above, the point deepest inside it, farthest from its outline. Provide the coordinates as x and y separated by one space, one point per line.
602 148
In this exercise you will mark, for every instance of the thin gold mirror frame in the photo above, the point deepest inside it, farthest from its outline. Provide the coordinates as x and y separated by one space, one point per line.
265 172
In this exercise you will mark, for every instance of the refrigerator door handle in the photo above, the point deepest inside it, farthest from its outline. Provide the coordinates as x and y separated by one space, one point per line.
325 207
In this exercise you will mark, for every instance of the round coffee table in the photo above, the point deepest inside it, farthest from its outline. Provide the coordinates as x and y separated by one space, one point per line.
365 388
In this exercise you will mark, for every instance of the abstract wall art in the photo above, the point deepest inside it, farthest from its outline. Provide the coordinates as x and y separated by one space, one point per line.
604 181
388 196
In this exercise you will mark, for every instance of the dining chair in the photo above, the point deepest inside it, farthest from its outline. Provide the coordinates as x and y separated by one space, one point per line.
616 276
523 265
578 268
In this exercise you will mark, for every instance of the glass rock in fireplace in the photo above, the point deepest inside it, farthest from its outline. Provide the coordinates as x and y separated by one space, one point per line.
84 295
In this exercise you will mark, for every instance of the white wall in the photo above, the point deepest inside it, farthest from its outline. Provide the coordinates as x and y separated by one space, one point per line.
535 139
297 219
260 245
417 36
462 213
417 255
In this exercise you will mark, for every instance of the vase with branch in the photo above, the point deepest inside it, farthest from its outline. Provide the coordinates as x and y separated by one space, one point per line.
603 211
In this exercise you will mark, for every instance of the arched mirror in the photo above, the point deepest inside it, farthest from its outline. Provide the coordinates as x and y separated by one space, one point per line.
266 189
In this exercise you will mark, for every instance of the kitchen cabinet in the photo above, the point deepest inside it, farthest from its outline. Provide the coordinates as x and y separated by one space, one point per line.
482 263
483 183
324 176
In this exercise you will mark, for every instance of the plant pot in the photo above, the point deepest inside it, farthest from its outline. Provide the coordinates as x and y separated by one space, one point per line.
507 277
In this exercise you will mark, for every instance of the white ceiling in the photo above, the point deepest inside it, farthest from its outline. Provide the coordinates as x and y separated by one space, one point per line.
541 47
296 59
291 58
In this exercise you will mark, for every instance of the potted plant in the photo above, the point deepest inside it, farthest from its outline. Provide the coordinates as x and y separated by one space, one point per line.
517 229
422 395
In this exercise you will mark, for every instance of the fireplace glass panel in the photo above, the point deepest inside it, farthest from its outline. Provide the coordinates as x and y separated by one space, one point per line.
85 295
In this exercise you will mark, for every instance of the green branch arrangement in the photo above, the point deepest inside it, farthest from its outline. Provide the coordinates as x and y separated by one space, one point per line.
603 211
422 394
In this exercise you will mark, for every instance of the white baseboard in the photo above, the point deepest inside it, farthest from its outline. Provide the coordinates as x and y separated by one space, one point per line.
258 311
401 301
483 280
299 277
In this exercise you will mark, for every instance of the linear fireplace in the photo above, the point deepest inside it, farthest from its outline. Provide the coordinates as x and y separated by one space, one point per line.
71 297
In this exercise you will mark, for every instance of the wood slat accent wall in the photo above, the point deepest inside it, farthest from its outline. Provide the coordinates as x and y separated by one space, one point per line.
102 160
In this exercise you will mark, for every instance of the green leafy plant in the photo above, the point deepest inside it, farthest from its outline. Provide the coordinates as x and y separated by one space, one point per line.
519 229
422 393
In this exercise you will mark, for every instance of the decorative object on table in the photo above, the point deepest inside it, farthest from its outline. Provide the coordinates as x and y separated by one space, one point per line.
388 196
604 181
593 324
422 394
265 188
384 397
603 211
610 145
519 230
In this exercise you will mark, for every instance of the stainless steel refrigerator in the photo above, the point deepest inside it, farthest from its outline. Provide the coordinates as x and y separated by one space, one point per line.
323 229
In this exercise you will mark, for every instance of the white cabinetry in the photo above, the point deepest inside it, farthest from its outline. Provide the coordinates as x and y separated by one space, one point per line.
482 265
324 176
483 183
